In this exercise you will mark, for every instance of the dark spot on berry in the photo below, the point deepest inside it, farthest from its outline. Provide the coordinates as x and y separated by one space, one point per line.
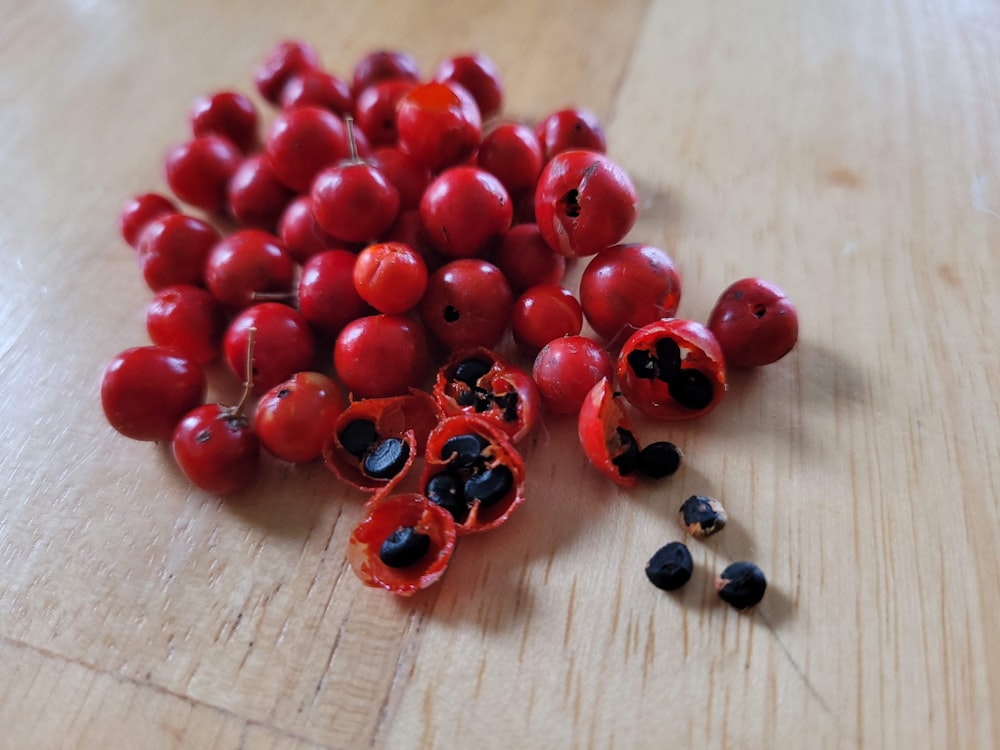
668 357
702 516
203 437
357 436
671 567
628 460
469 371
658 460
386 459
643 365
489 487
284 392
691 389
741 585
463 451
451 314
758 311
403 547
571 203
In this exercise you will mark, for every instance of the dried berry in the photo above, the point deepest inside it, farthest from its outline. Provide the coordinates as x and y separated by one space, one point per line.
741 585
671 567
702 516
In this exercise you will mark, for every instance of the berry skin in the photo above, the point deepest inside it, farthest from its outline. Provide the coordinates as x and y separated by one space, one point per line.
327 297
317 88
375 111
390 277
607 435
381 355
754 322
245 263
354 202
173 249
463 209
571 129
188 319
406 174
229 115
283 344
467 303
139 212
438 125
627 286
302 142
566 369
294 418
544 313
198 171
288 59
216 449
255 195
145 391
584 203
477 74
511 152
526 260
383 65
302 236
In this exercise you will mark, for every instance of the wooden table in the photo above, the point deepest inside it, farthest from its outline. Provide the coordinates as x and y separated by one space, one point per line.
848 151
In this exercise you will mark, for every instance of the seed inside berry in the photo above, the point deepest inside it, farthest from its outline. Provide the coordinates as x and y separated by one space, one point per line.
671 567
741 585
386 459
469 371
628 460
571 203
643 365
691 389
357 436
463 451
702 516
508 402
445 489
658 460
668 357
489 487
403 547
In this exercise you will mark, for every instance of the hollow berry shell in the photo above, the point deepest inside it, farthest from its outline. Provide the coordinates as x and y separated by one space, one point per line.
607 435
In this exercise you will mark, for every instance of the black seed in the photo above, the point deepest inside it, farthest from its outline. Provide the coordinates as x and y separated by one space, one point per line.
386 459
483 403
702 516
671 567
451 314
404 547
642 364
463 451
741 585
691 389
508 402
668 356
571 202
490 486
465 398
357 436
469 371
445 489
658 460
628 460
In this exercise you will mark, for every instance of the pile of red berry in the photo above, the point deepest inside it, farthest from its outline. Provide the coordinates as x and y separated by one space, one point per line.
381 228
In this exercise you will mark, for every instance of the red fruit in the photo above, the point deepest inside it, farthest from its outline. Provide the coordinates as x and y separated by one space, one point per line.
467 303
511 152
584 203
255 195
294 418
526 260
672 369
406 174
287 59
245 263
390 277
438 125
544 313
146 391
173 249
226 114
477 74
302 142
376 110
302 236
627 286
317 88
327 297
463 209
216 450
188 319
607 436
198 171
283 344
569 130
139 212
381 355
409 230
754 322
566 369
389 516
383 65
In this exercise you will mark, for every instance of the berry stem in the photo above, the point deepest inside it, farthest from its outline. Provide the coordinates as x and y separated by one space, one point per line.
248 382
355 159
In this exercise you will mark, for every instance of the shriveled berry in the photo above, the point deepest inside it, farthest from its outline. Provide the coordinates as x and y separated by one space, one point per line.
741 585
445 489
658 460
404 547
386 459
463 451
357 436
671 567
490 486
702 516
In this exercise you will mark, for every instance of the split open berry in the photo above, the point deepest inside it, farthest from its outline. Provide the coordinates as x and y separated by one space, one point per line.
754 322
607 435
566 369
741 585
670 567
702 516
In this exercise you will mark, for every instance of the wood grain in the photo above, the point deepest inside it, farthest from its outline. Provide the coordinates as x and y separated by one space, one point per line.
847 151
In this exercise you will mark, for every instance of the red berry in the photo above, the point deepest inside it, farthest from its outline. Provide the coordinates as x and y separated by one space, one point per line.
245 263
327 297
390 277
607 435
376 110
381 355
216 450
406 174
754 322
544 313
287 59
463 210
173 249
298 229
255 195
477 74
302 142
468 303
566 369
283 344
139 212
584 203
383 65
294 418
198 171
409 230
317 88
438 125
146 391
526 260
188 319
571 129
229 115
511 153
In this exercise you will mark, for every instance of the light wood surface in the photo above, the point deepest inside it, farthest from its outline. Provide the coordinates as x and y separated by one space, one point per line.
848 151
